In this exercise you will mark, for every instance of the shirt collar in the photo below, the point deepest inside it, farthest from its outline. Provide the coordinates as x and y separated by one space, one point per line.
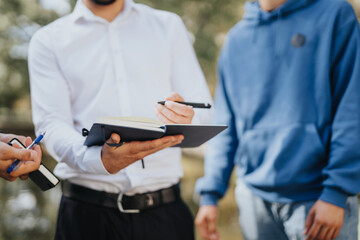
82 12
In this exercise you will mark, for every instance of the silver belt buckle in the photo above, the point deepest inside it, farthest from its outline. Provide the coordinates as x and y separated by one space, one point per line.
120 206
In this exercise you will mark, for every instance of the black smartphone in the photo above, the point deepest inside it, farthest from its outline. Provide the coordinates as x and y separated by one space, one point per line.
16 143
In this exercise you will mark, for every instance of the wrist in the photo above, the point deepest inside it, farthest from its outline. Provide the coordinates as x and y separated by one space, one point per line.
207 199
93 160
106 161
334 197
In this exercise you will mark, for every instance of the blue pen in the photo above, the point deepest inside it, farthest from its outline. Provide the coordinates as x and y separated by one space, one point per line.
17 163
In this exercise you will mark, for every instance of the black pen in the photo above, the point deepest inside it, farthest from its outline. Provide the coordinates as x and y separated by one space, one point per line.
193 104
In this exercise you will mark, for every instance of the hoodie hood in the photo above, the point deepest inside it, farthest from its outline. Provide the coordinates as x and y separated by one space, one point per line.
257 16
255 13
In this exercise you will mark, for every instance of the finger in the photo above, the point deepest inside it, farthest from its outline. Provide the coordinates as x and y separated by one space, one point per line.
25 168
29 166
21 139
171 115
28 141
162 118
212 225
10 178
168 143
4 165
9 152
201 224
336 233
215 236
309 221
24 177
7 138
5 148
330 234
313 232
204 230
3 172
180 109
323 232
198 219
22 154
153 146
175 97
142 146
212 229
36 154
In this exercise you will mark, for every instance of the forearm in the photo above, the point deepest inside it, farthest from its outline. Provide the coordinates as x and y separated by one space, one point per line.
65 144
218 169
218 165
341 175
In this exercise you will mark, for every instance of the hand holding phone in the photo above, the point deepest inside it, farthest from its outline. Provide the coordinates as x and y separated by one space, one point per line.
16 164
42 177
32 159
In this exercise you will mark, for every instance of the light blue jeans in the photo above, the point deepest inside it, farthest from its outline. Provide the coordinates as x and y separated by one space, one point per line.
262 220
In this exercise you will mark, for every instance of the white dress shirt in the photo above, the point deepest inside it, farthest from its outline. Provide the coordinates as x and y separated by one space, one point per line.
83 68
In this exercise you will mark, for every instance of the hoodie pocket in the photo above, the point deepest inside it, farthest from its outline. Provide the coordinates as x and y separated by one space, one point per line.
286 153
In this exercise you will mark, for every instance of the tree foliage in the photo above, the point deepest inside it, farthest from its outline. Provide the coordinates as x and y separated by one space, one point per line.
208 21
18 21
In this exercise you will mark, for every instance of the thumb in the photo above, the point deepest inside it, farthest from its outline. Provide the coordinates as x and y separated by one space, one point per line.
114 140
21 154
175 97
36 154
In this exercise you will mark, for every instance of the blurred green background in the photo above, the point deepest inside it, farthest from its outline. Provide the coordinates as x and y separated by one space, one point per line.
28 213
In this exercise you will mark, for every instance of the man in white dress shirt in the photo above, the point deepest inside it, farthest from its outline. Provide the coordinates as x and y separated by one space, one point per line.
116 58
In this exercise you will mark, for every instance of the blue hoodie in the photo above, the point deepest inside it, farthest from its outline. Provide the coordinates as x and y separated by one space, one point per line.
289 90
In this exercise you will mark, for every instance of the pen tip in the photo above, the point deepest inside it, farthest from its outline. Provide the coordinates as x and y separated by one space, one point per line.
43 133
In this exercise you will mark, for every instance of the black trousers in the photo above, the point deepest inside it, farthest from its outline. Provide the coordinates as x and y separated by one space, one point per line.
82 221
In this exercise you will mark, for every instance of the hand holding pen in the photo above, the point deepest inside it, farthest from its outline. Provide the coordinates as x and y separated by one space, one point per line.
17 163
175 110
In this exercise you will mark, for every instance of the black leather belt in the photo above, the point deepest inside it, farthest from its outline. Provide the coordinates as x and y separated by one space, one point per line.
125 203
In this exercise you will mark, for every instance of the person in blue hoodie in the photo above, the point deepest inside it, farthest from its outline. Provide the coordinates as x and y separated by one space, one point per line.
289 90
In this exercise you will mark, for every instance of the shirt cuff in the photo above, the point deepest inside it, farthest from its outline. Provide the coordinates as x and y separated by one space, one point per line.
333 196
208 199
93 160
